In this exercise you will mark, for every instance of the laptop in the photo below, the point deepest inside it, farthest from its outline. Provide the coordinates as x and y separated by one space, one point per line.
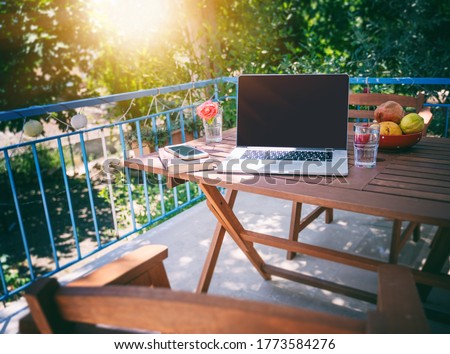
291 124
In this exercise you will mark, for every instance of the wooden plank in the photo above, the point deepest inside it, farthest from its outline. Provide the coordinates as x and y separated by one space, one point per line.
425 177
214 248
439 253
399 302
296 214
435 173
410 186
311 250
427 152
407 232
375 99
434 212
444 162
360 113
426 164
184 312
395 241
308 219
229 221
414 180
408 192
321 283
128 268
44 311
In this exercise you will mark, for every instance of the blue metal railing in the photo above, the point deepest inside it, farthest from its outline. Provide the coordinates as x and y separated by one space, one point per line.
144 198
181 196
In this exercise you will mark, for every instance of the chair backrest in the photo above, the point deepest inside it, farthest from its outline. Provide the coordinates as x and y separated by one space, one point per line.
57 309
366 104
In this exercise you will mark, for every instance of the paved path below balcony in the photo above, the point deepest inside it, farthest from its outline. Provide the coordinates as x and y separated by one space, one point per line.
188 237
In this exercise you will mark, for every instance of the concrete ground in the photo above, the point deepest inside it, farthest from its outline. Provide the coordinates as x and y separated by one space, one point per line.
188 236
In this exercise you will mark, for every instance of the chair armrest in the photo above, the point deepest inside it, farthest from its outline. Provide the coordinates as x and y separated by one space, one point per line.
399 308
143 266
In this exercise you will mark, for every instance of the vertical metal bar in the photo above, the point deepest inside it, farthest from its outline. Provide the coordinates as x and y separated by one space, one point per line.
69 199
183 135
169 128
139 136
44 203
19 215
110 188
194 118
3 281
188 191
127 175
144 174
89 186
160 184
216 91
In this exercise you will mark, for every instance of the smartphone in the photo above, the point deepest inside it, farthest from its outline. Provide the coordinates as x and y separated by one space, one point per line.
186 152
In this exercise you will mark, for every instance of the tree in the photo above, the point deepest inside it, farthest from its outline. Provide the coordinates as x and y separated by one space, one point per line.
401 38
44 47
54 50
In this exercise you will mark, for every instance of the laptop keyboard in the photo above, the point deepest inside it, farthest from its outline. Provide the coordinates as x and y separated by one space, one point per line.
294 155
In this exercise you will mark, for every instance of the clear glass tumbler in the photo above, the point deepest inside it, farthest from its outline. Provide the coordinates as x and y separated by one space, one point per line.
365 144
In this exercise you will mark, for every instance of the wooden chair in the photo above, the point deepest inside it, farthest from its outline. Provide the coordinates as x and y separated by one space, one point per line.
362 106
68 309
143 267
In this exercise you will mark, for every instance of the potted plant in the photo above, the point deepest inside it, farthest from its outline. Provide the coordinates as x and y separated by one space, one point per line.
190 126
149 139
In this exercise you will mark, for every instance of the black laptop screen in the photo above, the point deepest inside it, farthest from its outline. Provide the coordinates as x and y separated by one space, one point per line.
308 111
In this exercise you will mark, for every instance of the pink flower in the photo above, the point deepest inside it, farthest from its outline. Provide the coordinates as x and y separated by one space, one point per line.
208 110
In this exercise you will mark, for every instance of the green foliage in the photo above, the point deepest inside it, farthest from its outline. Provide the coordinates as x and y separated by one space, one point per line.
121 190
12 274
401 38
148 137
44 45
23 163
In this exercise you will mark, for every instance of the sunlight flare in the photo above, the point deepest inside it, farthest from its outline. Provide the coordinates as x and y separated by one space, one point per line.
130 20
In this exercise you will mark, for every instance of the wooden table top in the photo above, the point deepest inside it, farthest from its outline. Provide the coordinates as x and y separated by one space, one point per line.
412 184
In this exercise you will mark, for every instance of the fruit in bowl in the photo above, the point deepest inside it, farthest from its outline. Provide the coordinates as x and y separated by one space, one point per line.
390 128
389 111
412 123
405 133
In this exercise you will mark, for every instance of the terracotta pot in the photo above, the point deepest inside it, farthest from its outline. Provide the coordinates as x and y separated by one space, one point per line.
177 137
147 148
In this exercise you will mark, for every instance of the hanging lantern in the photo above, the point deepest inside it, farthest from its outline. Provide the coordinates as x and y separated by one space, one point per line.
78 121
32 128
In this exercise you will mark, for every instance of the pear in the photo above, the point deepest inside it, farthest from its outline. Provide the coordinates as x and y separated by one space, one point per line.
412 123
389 111
390 128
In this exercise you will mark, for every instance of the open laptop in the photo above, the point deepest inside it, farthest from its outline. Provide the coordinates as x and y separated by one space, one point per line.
291 124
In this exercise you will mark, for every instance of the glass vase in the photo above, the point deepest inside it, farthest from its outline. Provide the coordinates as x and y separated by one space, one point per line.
213 129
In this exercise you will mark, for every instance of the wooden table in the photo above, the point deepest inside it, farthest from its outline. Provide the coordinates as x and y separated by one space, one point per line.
412 185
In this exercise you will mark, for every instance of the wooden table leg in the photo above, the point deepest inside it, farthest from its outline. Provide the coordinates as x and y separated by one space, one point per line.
214 248
437 257
294 228
232 225
395 241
